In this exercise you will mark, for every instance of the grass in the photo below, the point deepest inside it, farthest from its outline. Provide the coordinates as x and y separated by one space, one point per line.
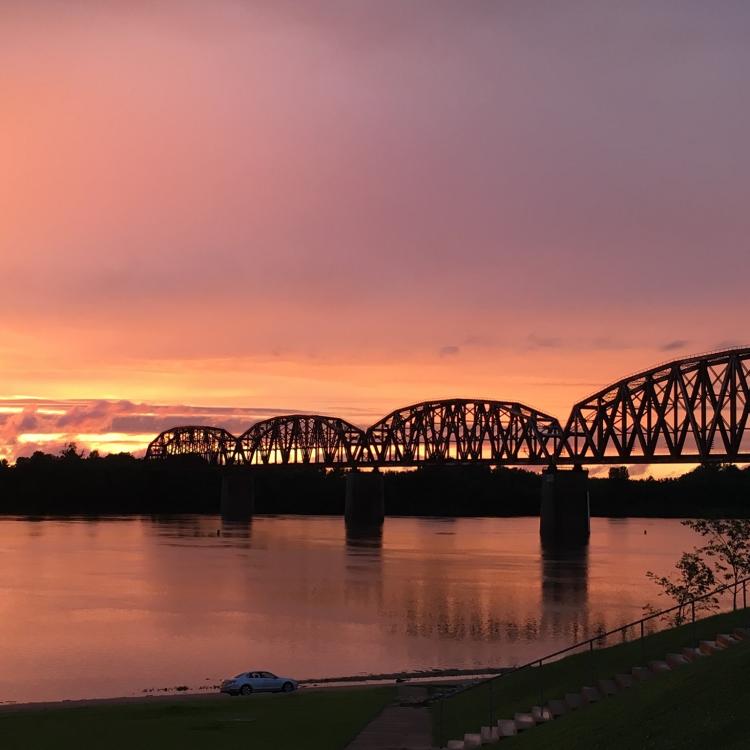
700 706
317 720
519 691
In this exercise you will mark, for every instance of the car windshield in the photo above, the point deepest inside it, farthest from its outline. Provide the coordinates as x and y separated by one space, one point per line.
241 674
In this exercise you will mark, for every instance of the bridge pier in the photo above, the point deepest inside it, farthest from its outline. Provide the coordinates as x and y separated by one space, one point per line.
237 494
365 498
564 513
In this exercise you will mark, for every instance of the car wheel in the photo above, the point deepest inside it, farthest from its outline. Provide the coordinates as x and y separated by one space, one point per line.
246 690
287 687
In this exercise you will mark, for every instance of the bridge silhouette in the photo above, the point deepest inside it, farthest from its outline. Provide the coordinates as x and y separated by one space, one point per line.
692 410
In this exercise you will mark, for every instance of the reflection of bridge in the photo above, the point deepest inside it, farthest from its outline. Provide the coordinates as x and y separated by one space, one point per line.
687 411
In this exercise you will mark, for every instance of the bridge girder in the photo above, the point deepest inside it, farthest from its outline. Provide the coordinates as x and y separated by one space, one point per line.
687 411
214 444
308 439
464 431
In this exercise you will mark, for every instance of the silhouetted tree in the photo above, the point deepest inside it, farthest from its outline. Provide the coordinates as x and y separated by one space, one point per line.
694 579
728 546
619 473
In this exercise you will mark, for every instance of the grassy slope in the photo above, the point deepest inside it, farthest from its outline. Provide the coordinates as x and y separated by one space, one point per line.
324 720
470 710
704 705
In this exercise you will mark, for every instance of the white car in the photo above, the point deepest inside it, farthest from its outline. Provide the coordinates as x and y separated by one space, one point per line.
258 682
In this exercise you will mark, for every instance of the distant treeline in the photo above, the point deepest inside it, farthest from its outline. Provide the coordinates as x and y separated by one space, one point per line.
120 484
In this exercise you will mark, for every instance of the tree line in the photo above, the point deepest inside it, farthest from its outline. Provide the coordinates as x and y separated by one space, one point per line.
74 483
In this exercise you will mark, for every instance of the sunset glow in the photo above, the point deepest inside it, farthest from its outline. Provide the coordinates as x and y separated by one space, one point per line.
219 216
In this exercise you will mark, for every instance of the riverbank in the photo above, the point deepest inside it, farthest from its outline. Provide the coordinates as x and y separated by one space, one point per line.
316 720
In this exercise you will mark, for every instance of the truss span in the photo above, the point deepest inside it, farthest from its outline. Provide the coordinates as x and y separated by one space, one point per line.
213 444
303 439
690 410
465 431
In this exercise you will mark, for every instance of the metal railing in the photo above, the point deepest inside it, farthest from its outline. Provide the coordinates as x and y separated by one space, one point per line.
586 670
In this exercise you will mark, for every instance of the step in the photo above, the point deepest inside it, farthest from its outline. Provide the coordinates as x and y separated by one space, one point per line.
524 721
659 667
507 728
642 673
607 687
574 700
724 639
455 745
472 741
541 714
557 707
590 694
743 633
624 681
676 660
710 647
490 735
691 654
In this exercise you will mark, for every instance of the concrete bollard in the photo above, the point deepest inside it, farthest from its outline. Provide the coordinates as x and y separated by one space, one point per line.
489 735
607 687
541 714
590 694
507 728
524 721
558 707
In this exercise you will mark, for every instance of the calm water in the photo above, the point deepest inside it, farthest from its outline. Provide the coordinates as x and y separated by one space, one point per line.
113 607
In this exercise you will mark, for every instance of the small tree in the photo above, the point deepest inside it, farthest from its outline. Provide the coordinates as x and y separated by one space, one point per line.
728 545
619 473
695 579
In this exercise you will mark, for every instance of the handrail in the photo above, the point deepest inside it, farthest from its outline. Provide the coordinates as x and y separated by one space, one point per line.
601 636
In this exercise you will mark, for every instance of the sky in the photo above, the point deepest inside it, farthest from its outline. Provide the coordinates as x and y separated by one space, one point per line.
223 211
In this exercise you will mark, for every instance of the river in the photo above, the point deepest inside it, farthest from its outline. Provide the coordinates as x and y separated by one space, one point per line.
117 606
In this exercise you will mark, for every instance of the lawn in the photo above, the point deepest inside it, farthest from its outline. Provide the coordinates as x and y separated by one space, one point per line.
519 691
315 720
704 705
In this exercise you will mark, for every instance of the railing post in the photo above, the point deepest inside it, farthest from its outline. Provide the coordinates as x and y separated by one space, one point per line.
441 740
744 593
492 704
591 663
541 686
643 646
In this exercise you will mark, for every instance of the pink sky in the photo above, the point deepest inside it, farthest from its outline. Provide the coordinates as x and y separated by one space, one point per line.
344 207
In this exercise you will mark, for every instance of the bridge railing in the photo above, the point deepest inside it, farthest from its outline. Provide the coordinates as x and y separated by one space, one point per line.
584 663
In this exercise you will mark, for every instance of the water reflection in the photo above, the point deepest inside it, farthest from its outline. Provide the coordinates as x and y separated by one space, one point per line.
189 599
364 539
565 591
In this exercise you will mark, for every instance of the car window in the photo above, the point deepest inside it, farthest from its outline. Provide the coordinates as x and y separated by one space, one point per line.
268 675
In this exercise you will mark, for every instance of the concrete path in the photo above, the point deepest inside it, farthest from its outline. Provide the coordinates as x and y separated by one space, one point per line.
398 727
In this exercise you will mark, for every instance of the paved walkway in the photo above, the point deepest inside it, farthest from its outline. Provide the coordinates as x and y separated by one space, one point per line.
398 727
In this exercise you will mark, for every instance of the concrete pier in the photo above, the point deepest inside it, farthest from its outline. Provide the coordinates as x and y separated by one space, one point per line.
237 494
365 498
564 513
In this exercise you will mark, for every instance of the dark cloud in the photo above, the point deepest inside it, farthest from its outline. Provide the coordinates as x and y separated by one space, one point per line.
449 351
537 341
673 345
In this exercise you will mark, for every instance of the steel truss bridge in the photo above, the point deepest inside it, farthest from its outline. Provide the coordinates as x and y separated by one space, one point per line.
692 410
